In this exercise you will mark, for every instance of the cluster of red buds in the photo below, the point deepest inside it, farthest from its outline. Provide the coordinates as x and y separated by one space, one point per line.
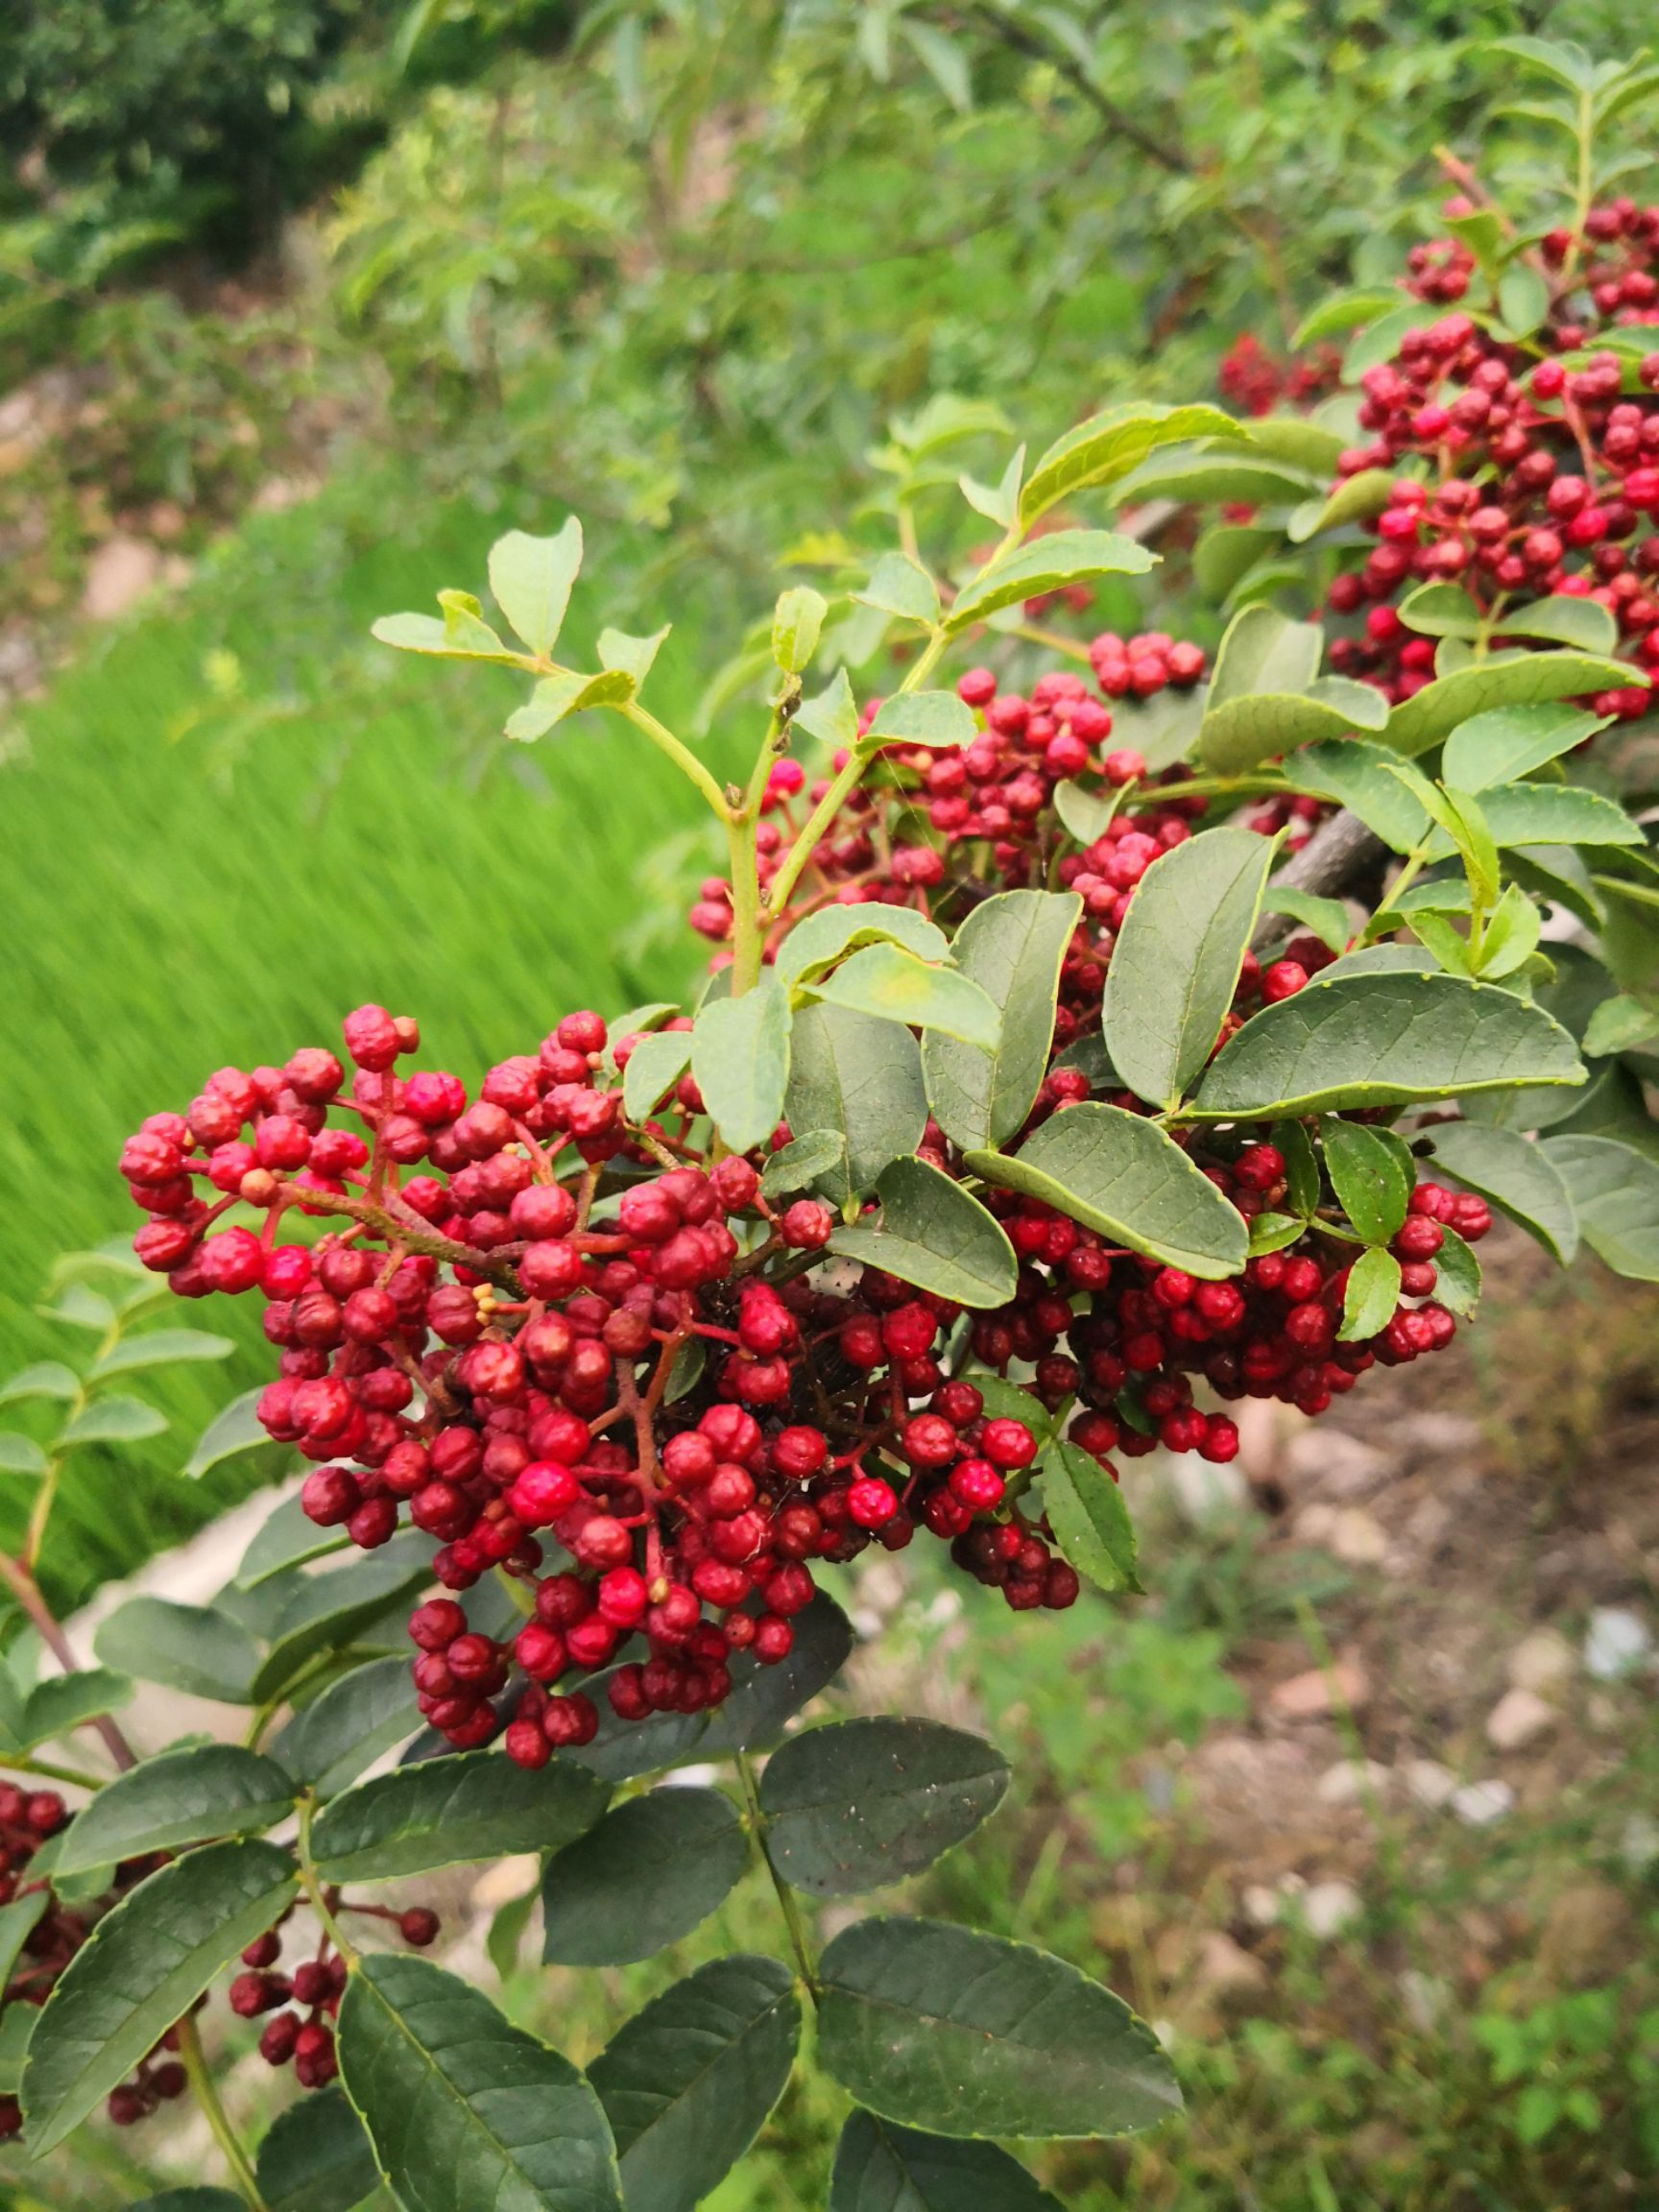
303 2004
1527 469
1255 382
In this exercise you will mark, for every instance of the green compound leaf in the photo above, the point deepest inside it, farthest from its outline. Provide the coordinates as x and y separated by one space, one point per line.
860 1803
142 1967
882 2168
647 1874
1371 1297
1503 680
1372 1174
1105 448
740 1061
453 637
1383 1039
181 1798
558 697
1615 1191
1178 959
45 1379
447 1811
1047 564
1509 742
1088 1518
1012 946
316 2157
1517 1177
888 982
1120 1173
61 1703
860 1075
942 2027
160 1348
464 2109
188 1647
1267 695
934 1233
688 2083
327 1611
111 1420
835 931
349 1726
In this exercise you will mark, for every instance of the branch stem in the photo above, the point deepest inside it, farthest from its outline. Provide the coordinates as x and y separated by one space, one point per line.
205 2091
788 1904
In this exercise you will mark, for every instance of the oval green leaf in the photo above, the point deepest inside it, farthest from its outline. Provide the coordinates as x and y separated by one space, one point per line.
61 1703
654 1066
447 1811
141 1968
741 1062
861 1076
860 1803
1120 1173
1178 959
934 1233
160 1348
1503 680
888 982
835 931
329 1742
922 718
531 579
181 1798
189 1647
1047 564
942 2027
1383 1039
642 1878
688 2083
1614 1192
1372 1294
1088 1518
1105 448
1012 946
884 2168
1372 1175
463 2108
1517 1177
316 2157
1509 742
326 1611
237 1430
288 1538
113 1419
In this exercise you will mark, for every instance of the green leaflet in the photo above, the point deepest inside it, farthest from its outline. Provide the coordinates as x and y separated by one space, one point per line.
861 1803
1088 1518
934 1233
1517 1177
1012 946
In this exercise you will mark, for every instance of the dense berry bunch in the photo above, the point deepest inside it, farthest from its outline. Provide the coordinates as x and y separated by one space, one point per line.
1526 471
304 2003
27 1820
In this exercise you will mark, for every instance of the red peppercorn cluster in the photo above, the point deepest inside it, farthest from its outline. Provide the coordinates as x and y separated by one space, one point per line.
1255 382
27 1819
303 2004
1522 478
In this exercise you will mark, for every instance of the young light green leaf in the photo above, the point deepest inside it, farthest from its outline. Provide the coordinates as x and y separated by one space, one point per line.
1372 1175
238 1428
1518 1178
1440 611
632 657
1620 1024
531 579
1457 1276
446 1812
1272 1232
938 2027
654 1066
642 1878
923 718
1372 1294
861 1803
455 636
1088 1518
1341 313
1105 448
891 983
1086 815
1512 931
1178 959
1614 1192
1297 439
1207 470
934 1233
557 697
464 2109
1552 814
1264 651
1355 499
316 2157
1012 946
190 1647
1502 680
366 1713
797 624
740 1061
1509 742
1000 504
901 586
142 1967
687 2084
1562 620
882 2168
833 931
1047 564
1380 340
833 716
1383 1039
1524 301
20 1455
181 1798
862 1077
1120 1173
1327 918
45 1379
113 1419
